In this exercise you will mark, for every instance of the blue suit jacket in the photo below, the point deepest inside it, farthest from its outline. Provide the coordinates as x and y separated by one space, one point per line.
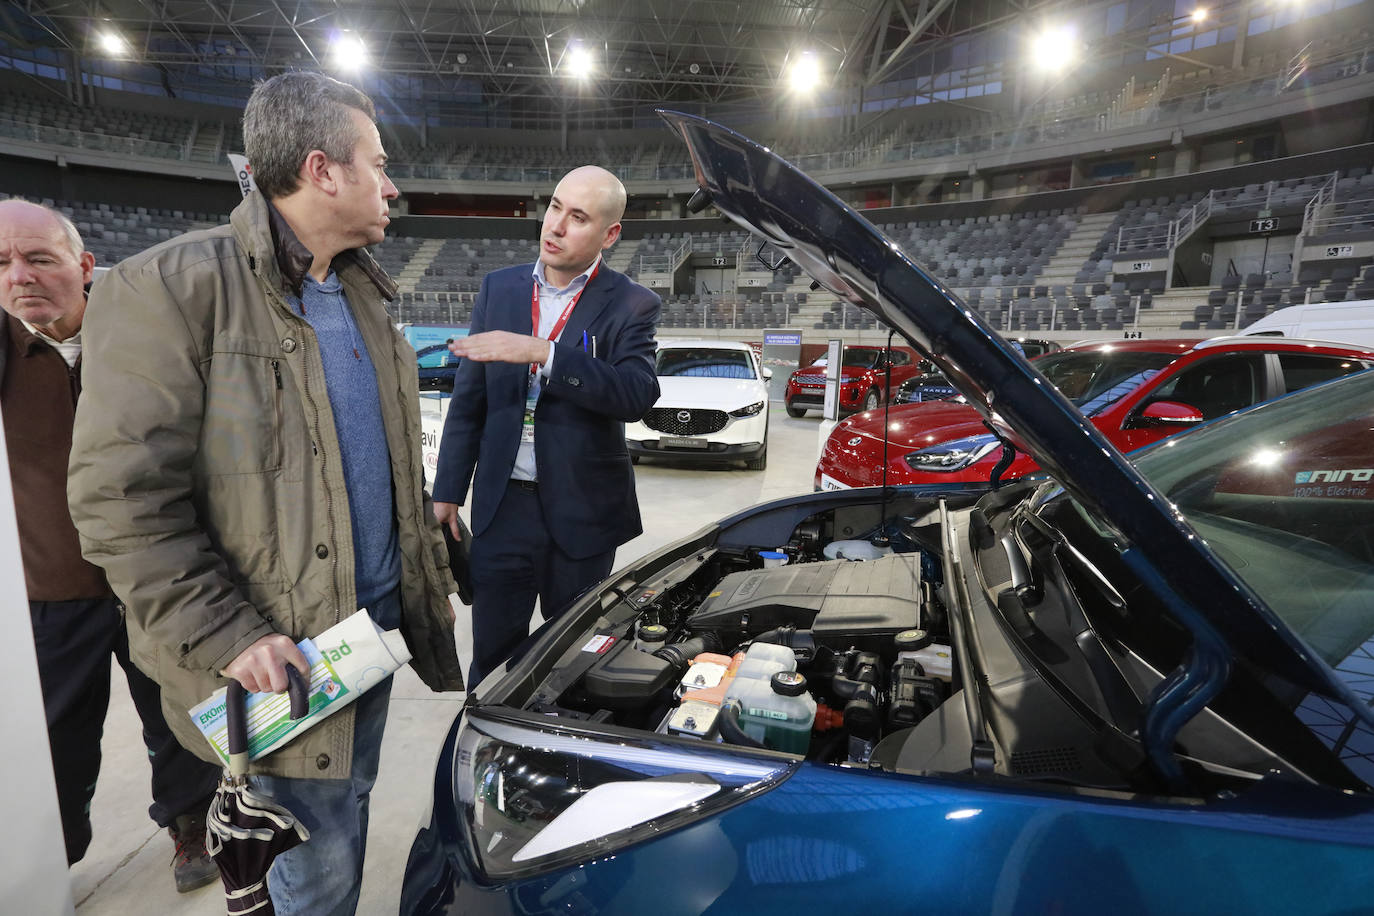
586 481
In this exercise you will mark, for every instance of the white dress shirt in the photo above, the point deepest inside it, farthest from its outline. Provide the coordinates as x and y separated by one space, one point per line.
552 302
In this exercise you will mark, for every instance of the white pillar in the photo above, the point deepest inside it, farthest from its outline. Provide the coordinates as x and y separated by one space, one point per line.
33 878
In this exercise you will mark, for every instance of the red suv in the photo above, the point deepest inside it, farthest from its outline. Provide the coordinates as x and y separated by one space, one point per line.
863 371
1134 391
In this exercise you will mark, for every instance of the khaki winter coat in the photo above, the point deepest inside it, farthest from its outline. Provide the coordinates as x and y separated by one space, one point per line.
205 475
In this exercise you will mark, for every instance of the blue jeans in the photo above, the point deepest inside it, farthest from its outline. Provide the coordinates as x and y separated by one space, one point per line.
323 876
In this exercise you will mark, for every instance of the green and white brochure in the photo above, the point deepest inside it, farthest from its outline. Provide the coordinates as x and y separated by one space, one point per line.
345 661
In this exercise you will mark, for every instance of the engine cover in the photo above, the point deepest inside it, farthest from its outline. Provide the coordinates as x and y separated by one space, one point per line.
843 603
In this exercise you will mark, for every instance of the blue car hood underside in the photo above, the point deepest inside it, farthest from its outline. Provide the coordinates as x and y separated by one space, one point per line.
856 262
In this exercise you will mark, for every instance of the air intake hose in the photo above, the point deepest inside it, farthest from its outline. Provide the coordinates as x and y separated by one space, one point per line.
680 654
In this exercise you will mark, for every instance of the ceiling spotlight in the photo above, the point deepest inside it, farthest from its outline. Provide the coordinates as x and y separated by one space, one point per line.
1200 14
805 73
350 53
461 58
112 43
1055 48
694 69
579 63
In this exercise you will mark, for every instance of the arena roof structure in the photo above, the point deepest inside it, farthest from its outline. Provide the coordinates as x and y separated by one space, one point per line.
633 54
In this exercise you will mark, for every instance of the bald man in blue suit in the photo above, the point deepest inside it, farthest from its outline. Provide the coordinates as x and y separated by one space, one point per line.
560 355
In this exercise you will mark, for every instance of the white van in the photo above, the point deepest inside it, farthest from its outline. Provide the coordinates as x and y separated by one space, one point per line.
1343 322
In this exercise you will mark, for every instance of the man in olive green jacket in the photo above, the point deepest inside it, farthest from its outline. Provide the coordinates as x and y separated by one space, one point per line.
245 388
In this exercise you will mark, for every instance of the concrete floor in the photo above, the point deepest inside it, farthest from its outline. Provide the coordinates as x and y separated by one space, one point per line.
127 867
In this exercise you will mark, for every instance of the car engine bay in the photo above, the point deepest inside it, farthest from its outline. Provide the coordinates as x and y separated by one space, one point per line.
820 646
914 637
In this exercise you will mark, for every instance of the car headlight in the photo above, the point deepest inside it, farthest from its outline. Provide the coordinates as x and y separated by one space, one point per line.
751 411
952 456
534 799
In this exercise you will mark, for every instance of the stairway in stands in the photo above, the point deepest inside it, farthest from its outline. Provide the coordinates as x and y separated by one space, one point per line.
207 144
621 255
410 275
1073 254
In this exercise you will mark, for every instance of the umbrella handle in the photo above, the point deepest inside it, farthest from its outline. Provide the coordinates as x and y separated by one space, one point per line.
299 692
236 719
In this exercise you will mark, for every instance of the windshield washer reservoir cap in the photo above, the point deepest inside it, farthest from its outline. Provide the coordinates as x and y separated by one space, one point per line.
788 683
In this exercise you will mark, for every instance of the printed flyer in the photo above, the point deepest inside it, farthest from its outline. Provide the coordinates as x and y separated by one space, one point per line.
345 661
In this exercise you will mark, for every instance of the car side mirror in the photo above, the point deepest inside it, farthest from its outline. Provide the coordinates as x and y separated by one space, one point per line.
767 374
1169 413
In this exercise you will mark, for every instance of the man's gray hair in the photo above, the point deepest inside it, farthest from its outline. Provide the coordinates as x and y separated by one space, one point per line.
74 241
292 114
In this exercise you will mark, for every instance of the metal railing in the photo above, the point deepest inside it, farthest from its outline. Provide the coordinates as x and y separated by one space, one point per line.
92 140
1354 215
667 262
1318 207
1154 236
1145 237
1190 220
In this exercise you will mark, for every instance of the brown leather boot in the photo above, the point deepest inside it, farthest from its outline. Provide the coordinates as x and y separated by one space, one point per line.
192 866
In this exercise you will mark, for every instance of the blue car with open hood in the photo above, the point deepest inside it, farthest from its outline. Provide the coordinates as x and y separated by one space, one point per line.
1115 686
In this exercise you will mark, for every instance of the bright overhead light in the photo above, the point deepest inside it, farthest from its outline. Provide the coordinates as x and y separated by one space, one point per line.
805 73
580 62
112 42
1055 48
350 52
1200 14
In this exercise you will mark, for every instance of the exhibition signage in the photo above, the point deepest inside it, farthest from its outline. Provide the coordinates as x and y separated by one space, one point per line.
782 354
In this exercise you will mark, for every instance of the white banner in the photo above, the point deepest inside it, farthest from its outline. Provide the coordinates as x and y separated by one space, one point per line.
243 172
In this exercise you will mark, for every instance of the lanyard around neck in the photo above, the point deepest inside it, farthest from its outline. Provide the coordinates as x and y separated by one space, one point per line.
562 319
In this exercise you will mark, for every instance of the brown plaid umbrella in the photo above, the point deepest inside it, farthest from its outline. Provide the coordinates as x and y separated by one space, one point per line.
245 830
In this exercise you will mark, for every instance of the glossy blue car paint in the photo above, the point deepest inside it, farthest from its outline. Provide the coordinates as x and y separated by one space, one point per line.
828 840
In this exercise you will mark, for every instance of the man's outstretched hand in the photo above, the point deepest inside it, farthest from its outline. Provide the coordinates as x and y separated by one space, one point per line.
501 347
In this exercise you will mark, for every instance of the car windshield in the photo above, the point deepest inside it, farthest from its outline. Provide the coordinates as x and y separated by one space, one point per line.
1096 379
1283 495
1288 504
704 362
861 357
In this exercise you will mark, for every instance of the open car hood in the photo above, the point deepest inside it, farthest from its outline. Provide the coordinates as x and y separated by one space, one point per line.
855 261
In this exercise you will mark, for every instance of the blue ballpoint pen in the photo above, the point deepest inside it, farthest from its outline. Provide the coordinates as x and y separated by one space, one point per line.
584 341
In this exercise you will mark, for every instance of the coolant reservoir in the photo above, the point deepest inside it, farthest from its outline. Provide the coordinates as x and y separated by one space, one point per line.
778 712
763 660
769 652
